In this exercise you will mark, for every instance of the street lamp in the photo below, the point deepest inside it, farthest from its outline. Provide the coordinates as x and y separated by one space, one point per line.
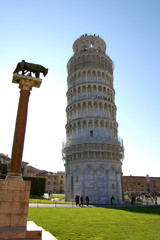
148 185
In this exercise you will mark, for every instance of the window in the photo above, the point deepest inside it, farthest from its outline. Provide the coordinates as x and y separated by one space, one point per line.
154 184
76 178
91 133
61 176
61 181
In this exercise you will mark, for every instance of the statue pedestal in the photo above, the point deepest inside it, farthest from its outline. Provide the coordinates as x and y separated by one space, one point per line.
14 202
36 81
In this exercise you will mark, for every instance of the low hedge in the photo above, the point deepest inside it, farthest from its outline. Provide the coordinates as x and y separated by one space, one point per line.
37 184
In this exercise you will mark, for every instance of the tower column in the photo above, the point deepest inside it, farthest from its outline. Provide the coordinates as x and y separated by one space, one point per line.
108 187
95 186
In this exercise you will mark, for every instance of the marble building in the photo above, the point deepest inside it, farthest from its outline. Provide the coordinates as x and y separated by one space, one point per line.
93 152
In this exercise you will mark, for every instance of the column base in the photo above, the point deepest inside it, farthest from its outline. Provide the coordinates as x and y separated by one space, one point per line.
32 232
14 203
14 176
17 233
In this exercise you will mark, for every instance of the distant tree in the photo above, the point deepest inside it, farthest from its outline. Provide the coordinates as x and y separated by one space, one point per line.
1 166
4 169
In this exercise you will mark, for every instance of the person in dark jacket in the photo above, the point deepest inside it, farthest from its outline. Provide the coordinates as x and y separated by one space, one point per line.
112 200
87 200
81 199
77 200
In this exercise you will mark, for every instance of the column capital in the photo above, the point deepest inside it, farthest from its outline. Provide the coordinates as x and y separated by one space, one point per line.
25 84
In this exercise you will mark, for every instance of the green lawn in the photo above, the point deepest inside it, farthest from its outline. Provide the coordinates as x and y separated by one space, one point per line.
34 200
60 196
56 198
135 223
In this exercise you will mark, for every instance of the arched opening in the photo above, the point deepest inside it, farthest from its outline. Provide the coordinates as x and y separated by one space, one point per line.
89 73
83 74
84 90
89 89
79 75
79 91
98 74
93 73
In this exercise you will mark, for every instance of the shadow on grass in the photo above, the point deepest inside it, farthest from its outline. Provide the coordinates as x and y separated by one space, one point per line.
141 209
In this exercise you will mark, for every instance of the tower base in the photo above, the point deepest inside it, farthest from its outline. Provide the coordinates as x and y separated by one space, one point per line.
97 180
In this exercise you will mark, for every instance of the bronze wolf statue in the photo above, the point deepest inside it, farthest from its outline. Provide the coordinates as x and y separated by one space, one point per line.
30 67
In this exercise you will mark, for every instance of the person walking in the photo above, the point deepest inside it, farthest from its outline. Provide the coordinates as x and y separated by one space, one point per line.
155 199
81 199
133 200
87 200
77 200
112 200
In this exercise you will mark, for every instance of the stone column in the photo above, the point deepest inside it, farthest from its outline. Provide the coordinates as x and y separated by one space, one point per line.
118 186
108 187
14 195
25 84
66 184
96 200
19 135
82 182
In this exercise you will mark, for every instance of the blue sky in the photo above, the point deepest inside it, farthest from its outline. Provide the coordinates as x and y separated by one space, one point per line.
43 32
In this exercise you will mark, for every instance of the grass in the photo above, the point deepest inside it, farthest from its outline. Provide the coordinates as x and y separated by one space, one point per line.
134 223
56 198
47 201
60 196
38 200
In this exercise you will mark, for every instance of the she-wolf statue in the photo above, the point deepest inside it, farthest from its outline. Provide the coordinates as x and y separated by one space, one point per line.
26 67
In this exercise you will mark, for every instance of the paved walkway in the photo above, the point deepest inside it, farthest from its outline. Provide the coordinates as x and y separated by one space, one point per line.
41 205
53 205
59 205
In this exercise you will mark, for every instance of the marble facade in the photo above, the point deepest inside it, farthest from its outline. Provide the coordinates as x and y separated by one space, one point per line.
93 152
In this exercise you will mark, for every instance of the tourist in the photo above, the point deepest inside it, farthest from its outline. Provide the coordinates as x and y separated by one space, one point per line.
112 200
77 200
155 199
87 200
133 200
49 194
81 198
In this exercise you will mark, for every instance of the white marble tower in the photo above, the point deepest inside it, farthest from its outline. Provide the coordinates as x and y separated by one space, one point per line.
93 153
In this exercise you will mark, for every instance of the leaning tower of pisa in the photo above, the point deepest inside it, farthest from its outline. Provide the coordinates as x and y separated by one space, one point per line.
93 153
